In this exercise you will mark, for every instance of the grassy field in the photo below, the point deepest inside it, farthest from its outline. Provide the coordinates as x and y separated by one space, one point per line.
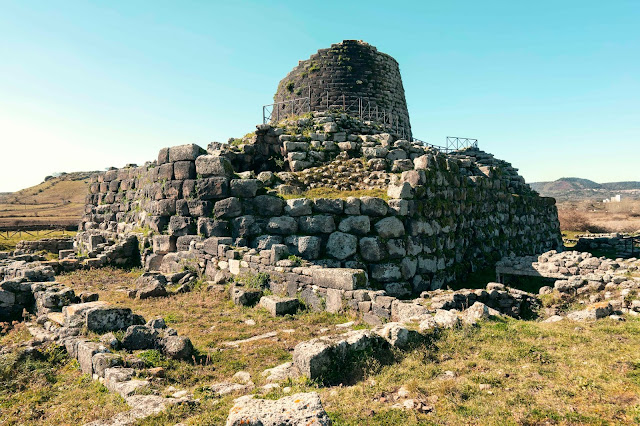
57 201
502 372
583 216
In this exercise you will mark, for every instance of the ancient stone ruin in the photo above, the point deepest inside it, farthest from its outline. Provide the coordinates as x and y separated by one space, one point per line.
343 211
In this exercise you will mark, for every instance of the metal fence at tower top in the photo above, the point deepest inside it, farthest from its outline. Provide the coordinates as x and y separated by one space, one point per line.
360 107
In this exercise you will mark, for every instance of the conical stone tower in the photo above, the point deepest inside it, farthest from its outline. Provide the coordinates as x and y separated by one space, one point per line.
351 75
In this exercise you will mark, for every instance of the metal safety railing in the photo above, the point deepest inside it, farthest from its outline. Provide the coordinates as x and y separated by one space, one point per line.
360 107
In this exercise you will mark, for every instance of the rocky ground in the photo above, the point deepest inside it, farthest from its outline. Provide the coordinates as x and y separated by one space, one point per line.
445 357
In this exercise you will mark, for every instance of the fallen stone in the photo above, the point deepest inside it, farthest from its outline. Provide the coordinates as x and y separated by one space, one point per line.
339 278
279 306
297 409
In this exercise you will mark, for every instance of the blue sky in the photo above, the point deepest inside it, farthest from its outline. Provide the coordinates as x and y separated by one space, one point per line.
550 86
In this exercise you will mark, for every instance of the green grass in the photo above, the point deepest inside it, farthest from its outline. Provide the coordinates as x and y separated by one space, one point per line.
503 372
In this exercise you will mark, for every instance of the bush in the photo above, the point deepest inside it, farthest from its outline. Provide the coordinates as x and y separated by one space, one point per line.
572 220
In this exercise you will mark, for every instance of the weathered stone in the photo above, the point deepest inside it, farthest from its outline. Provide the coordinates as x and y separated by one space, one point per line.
478 311
390 227
339 278
211 165
446 319
177 347
319 224
163 244
373 206
245 297
359 225
309 247
592 312
282 225
372 249
184 170
328 205
245 188
85 353
341 245
298 207
268 205
212 188
140 337
297 409
188 152
278 306
102 361
76 315
228 208
397 334
105 319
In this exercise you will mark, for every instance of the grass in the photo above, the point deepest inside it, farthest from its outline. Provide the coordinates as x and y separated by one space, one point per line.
9 243
51 389
335 193
530 372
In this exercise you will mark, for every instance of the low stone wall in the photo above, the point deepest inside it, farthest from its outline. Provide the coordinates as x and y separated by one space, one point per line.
616 243
51 245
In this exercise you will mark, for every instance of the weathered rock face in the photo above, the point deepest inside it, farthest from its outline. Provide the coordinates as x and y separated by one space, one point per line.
354 69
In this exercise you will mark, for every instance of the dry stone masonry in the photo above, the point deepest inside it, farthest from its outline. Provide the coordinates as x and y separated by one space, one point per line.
439 216
351 68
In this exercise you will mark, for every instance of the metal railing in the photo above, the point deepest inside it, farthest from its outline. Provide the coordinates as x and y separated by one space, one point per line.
363 108
360 107
455 143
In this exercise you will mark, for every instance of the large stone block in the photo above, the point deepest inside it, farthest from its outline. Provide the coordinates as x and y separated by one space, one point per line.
209 227
105 318
188 152
245 188
341 245
268 205
86 351
319 224
212 188
213 165
228 208
278 306
325 358
76 315
298 409
163 244
339 278
359 225
184 170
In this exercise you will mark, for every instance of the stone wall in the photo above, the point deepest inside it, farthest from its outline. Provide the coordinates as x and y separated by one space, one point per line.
52 245
351 68
613 243
442 217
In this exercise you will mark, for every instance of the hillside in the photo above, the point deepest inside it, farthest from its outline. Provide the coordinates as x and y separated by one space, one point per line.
572 188
58 201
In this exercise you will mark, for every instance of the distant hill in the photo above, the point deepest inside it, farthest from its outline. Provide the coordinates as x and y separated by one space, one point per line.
572 188
58 201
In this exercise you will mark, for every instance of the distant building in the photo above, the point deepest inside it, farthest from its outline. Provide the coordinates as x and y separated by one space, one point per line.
615 199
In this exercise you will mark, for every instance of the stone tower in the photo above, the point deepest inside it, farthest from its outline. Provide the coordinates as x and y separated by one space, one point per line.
353 75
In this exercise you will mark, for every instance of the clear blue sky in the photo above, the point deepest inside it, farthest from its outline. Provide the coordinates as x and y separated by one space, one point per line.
551 86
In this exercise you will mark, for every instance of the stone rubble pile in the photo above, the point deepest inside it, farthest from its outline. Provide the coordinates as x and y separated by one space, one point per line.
606 287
